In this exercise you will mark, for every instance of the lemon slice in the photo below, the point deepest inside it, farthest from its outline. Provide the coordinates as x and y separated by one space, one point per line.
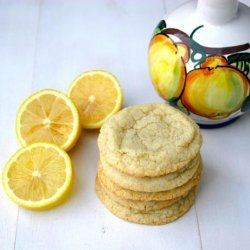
38 176
48 116
97 95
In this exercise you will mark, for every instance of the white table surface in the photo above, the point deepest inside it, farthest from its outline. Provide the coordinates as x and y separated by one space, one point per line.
45 44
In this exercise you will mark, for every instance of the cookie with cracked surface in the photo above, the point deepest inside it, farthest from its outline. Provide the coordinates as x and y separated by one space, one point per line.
155 217
138 205
149 196
149 140
152 184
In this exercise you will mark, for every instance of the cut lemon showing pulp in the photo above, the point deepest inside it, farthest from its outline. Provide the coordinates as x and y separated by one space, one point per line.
97 95
38 176
48 116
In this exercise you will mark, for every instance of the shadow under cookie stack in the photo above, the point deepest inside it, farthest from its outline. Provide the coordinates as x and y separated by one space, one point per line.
150 164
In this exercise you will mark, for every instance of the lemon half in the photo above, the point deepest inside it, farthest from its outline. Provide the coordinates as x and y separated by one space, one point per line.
38 176
97 95
48 116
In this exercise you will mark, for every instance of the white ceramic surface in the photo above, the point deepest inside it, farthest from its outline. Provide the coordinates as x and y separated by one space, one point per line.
218 12
236 31
45 44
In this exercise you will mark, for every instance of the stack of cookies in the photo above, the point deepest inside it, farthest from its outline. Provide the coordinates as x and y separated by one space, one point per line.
149 164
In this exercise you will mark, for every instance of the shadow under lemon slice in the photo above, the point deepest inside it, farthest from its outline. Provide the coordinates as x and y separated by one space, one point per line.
38 176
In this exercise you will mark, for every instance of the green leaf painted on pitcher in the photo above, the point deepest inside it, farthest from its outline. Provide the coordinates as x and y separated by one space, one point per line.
176 103
160 26
241 61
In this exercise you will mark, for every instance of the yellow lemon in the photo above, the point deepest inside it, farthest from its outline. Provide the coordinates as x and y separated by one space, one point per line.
215 91
38 176
48 116
97 95
166 66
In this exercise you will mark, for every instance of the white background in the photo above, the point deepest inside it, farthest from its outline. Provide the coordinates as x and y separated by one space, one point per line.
46 44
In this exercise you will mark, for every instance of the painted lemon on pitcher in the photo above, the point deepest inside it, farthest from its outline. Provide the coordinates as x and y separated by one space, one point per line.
216 89
167 66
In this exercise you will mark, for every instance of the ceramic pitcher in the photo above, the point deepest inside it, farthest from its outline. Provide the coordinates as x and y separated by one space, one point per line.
199 60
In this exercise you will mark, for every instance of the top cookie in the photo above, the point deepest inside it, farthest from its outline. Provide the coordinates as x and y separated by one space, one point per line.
149 140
